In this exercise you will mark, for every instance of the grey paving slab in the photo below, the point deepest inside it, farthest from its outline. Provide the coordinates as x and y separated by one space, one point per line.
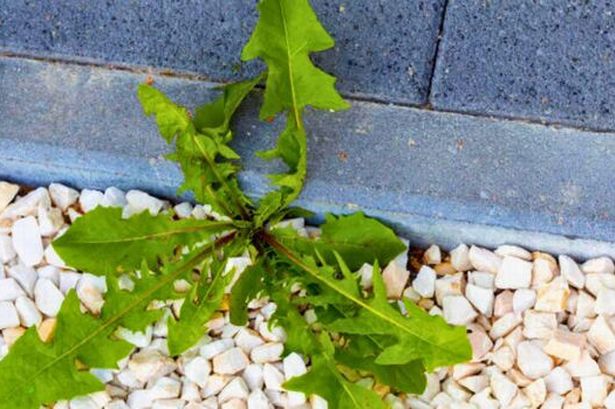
549 60
385 49
435 176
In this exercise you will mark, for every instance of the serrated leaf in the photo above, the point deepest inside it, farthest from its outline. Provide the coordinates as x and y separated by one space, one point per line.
285 35
202 301
214 118
121 245
358 240
35 373
206 160
325 380
419 336
245 289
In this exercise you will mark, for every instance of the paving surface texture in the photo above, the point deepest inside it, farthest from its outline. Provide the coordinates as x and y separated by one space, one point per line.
549 60
84 127
393 59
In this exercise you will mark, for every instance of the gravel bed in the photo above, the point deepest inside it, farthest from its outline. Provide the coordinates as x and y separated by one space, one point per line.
541 327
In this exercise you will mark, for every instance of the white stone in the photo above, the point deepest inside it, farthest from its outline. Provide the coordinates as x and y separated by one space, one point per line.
274 334
481 279
503 357
213 348
234 404
504 325
197 370
523 299
235 389
68 281
8 315
28 313
272 377
514 251
481 298
558 381
503 303
83 402
294 365
460 259
258 400
10 290
168 404
532 361
571 272
366 273
47 297
90 290
457 310
585 307
539 324
609 402
215 385
584 366
601 335
253 375
183 210
552 297
543 271
433 255
90 199
166 388
553 401
481 344
7 252
63 196
52 273
27 205
594 389
536 392
600 265
484 260
595 282
483 400
448 285
52 257
114 197
504 390
50 221
606 362
150 364
564 344
270 352
475 383
8 191
605 302
395 277
25 276
425 282
230 362
141 201
514 273
27 241
248 339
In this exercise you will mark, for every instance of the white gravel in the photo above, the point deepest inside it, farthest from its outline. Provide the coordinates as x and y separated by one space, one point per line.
541 327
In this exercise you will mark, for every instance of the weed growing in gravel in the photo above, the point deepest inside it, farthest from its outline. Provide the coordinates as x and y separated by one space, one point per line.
357 331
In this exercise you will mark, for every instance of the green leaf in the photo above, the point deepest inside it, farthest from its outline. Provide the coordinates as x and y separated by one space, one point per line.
419 336
202 301
325 380
121 245
358 240
206 160
35 373
361 354
214 118
172 120
285 35
245 289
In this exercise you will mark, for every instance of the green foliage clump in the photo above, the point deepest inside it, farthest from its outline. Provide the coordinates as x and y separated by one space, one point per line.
357 332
